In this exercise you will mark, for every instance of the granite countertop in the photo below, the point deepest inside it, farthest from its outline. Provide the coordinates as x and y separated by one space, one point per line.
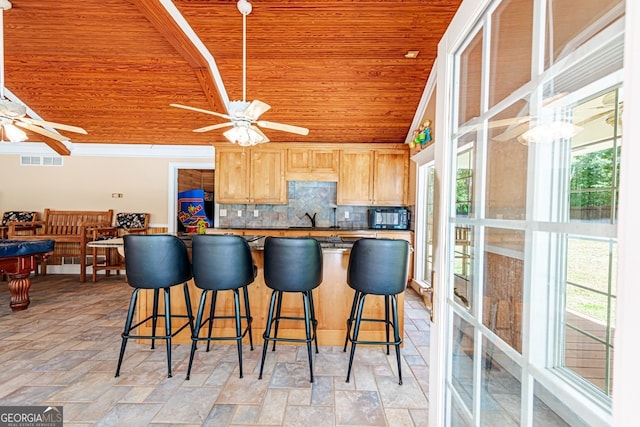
342 244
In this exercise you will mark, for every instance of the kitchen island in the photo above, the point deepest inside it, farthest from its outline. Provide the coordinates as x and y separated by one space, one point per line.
332 299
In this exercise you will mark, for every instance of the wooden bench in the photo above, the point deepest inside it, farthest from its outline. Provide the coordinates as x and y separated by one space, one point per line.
68 227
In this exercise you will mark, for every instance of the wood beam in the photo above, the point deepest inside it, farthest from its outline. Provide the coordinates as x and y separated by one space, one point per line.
55 145
171 31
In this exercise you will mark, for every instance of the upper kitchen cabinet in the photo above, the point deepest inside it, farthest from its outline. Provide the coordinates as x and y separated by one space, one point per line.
373 177
250 175
312 164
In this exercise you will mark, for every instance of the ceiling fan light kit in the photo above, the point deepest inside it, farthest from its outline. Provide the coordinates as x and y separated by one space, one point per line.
243 115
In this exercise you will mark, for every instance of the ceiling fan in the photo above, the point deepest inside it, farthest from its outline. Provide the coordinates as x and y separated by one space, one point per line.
242 115
13 114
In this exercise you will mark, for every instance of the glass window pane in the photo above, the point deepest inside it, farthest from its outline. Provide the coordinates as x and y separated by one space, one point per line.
429 224
590 310
464 176
549 411
501 379
462 360
503 284
568 22
506 193
470 80
511 41
463 265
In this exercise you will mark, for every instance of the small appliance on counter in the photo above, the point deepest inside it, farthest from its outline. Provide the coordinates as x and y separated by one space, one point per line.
389 218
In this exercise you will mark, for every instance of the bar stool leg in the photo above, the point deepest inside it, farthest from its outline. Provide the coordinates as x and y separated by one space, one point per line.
356 330
196 333
214 299
247 312
306 299
350 319
277 319
167 326
267 331
154 320
314 321
236 300
386 319
187 301
127 328
396 335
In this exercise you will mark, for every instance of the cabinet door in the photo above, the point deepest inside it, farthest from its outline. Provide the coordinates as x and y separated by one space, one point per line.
312 165
232 175
355 186
325 162
391 168
267 176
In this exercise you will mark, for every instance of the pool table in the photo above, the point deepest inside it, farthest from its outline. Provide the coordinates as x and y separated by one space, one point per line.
18 258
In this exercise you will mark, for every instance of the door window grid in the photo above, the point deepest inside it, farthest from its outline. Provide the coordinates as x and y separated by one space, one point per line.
459 209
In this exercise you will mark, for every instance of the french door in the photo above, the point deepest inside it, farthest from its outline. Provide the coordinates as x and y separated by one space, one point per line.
529 113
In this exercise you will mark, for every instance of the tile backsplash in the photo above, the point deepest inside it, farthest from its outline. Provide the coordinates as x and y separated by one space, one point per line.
312 197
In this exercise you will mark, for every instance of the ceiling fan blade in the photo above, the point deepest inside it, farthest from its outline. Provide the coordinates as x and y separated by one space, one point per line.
283 127
200 110
512 132
593 117
54 125
42 131
256 109
213 127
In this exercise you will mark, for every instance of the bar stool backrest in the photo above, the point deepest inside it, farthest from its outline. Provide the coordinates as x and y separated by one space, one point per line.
292 264
156 261
221 262
379 266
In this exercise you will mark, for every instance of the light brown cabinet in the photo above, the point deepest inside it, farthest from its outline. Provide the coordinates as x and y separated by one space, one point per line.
375 177
250 175
304 164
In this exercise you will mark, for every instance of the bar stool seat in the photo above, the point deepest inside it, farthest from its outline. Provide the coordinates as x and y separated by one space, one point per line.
292 265
222 263
156 262
376 267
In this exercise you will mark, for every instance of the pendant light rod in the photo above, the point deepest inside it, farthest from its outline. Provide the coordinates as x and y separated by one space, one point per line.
245 8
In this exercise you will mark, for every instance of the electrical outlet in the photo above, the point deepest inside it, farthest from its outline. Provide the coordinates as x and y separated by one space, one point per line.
346 214
255 213
239 213
223 212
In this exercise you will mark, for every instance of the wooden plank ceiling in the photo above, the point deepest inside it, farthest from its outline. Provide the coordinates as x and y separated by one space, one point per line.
114 66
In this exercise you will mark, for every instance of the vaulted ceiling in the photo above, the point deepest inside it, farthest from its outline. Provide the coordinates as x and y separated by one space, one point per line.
113 67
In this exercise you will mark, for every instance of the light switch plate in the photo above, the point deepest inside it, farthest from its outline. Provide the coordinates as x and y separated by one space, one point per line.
255 213
239 213
223 212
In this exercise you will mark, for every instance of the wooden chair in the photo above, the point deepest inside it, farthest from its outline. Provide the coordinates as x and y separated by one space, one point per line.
24 222
126 223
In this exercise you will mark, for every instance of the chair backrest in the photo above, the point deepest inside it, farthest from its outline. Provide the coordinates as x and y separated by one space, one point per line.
221 262
18 216
128 220
292 264
156 260
379 266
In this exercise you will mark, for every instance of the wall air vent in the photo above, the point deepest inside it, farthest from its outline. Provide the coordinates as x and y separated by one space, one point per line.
26 160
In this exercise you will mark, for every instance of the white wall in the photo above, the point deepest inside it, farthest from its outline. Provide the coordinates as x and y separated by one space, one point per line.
87 183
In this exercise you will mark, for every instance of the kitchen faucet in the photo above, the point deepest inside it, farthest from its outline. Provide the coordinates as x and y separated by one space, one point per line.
312 218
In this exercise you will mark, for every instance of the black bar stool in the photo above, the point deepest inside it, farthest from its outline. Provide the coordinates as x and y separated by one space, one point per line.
376 267
292 264
156 262
222 263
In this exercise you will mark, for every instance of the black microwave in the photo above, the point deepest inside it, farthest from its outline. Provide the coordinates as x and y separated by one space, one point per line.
389 218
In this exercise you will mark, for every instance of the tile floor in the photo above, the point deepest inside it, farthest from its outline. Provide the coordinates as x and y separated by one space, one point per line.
63 351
